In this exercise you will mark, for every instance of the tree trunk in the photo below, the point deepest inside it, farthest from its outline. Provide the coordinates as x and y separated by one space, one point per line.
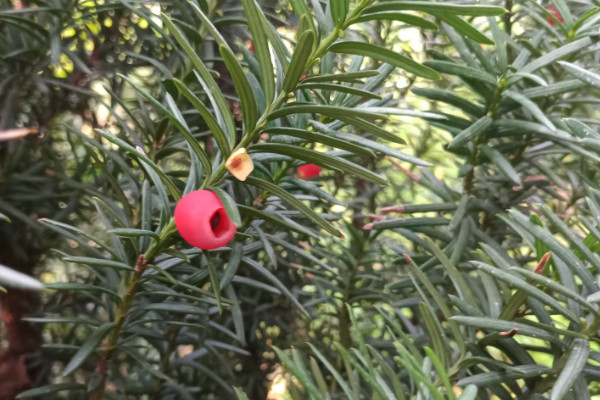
21 340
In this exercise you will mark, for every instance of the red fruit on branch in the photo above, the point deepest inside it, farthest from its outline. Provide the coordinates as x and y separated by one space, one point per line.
202 221
556 14
308 171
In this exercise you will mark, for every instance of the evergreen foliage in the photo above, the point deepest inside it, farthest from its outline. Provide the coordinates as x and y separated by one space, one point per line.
443 246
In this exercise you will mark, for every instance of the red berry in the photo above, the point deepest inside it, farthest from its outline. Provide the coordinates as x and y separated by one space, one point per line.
308 171
201 220
556 14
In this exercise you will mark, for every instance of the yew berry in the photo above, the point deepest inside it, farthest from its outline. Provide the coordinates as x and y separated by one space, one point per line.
556 14
308 171
202 221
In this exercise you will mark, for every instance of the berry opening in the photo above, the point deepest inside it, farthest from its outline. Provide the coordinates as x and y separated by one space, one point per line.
218 222
215 220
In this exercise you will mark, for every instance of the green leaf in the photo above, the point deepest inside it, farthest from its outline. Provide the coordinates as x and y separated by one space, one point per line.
3 217
81 287
572 370
464 28
553 89
549 328
493 377
507 127
299 61
337 376
385 55
180 124
370 144
300 372
62 320
263 54
572 237
434 333
50 389
254 284
352 77
339 10
530 106
441 303
498 325
319 158
211 87
554 286
583 75
410 222
450 98
231 207
321 138
420 373
452 68
11 278
476 129
370 377
556 247
401 17
330 111
142 361
243 88
437 8
584 18
273 279
211 122
236 315
240 394
557 54
233 263
133 233
529 289
340 88
391 374
457 278
88 347
300 252
502 163
301 10
179 308
266 244
362 125
98 262
441 370
318 376
254 213
171 188
209 25
214 280
294 202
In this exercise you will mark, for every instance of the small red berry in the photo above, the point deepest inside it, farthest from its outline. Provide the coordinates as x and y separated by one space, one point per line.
201 220
556 14
308 171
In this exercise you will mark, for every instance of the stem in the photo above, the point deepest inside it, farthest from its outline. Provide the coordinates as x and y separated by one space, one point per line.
469 180
508 17
122 308
110 342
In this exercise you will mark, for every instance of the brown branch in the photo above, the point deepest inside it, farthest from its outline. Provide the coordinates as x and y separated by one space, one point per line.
110 342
